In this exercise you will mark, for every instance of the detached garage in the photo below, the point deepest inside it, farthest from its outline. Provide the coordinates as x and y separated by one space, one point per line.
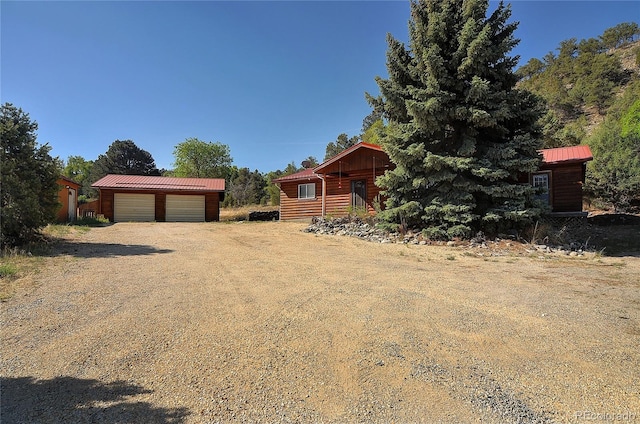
125 198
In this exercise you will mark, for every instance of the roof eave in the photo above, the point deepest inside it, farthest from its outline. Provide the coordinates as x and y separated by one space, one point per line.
344 153
568 161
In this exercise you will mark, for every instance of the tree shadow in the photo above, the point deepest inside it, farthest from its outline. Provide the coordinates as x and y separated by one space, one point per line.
616 235
102 250
67 399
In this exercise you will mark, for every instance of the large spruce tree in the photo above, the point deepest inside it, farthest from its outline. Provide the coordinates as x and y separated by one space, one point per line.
459 132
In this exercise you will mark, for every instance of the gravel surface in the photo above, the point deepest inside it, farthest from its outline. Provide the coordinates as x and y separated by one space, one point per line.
261 322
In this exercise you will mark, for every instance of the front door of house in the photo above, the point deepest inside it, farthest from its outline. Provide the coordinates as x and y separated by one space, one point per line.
359 194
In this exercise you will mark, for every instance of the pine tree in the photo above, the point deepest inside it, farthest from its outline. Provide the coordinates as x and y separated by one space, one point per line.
459 132
29 189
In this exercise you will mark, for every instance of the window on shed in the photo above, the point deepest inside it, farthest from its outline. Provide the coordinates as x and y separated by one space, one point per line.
307 191
542 183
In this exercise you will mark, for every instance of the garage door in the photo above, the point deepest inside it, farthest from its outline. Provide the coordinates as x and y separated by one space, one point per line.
134 207
185 208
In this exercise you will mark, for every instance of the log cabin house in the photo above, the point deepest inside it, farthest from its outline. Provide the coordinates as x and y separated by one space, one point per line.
346 182
340 185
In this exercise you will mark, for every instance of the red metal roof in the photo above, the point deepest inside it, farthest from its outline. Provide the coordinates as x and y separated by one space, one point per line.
142 182
567 154
344 153
305 174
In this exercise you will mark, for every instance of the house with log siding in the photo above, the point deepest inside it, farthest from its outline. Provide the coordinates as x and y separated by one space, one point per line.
346 183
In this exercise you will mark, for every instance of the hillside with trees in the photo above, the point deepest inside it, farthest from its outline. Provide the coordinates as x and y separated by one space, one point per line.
592 92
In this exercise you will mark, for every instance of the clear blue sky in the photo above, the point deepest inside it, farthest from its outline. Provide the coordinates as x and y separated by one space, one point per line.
276 81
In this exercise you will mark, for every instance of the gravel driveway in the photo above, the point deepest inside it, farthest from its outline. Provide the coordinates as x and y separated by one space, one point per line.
260 322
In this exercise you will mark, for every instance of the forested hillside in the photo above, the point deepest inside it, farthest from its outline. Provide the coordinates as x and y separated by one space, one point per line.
592 91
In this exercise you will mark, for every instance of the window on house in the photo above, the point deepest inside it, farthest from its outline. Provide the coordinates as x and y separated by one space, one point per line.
307 191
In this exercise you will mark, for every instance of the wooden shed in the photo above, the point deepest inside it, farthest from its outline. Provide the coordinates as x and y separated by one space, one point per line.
342 184
68 199
144 198
562 175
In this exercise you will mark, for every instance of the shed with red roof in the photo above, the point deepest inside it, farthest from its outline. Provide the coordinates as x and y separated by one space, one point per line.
562 174
146 198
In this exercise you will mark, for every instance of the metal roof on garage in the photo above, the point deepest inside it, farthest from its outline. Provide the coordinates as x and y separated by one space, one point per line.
142 182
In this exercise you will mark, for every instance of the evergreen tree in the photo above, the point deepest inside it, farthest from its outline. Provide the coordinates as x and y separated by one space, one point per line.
342 143
459 132
247 188
123 157
29 191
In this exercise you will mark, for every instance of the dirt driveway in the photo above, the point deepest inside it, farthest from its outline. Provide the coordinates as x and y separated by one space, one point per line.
260 322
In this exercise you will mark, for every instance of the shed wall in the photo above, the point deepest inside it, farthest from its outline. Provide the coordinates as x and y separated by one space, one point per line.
63 199
566 186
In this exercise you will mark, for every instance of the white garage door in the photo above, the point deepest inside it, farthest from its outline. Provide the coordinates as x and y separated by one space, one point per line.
134 207
185 208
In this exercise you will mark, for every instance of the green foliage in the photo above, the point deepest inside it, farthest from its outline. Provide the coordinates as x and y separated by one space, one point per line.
7 270
620 35
201 159
89 221
29 179
630 122
458 131
125 158
614 174
583 78
79 170
372 119
342 143
247 188
272 191
373 134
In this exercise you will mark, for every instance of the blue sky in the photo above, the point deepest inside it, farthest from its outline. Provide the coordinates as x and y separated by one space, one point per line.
276 81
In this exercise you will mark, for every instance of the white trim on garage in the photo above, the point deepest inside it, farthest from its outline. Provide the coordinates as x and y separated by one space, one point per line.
134 207
185 208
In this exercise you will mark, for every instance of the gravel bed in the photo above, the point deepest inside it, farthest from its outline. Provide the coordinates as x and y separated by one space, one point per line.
263 322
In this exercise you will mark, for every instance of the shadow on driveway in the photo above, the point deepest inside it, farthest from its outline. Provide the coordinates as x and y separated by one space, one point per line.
102 250
67 399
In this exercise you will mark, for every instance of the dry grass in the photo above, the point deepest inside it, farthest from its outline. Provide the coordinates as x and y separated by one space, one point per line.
16 272
242 213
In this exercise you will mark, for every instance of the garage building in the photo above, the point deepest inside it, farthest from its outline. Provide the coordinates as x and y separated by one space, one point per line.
126 198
